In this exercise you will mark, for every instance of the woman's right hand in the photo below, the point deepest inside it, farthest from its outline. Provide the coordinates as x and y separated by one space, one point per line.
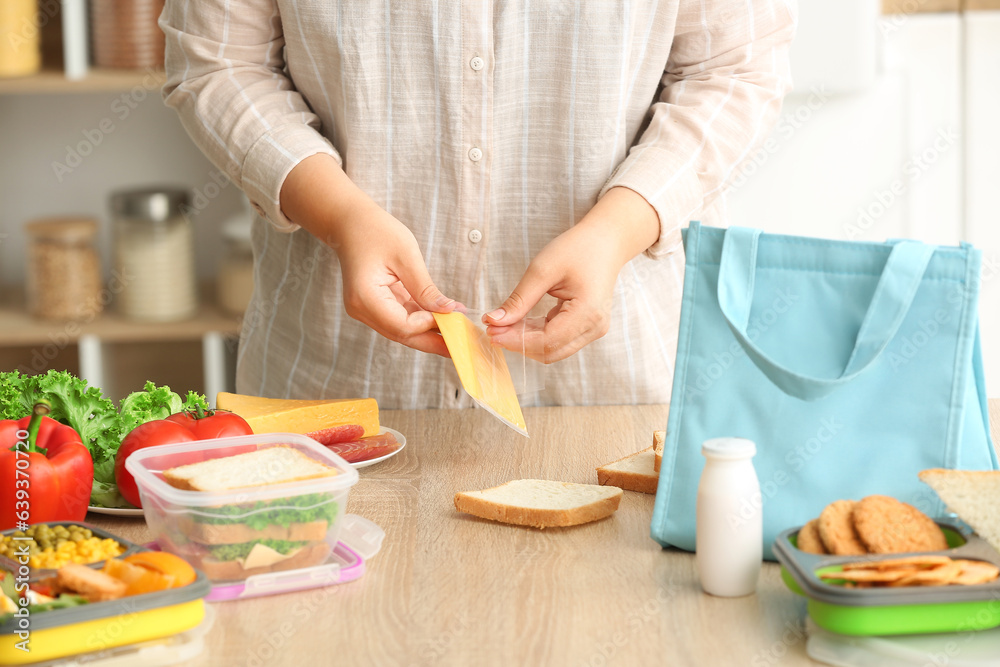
386 283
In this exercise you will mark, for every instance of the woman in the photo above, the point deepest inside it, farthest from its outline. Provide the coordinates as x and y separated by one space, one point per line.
533 157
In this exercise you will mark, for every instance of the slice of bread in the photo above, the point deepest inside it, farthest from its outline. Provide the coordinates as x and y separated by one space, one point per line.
541 503
632 473
974 495
235 533
658 438
274 465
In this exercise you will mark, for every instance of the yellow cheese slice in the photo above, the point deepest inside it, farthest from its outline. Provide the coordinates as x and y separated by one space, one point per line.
262 555
276 415
481 368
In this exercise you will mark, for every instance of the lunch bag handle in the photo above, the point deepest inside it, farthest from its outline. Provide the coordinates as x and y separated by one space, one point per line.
893 296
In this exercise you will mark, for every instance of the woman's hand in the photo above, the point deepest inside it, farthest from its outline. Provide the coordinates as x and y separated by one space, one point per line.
386 283
579 267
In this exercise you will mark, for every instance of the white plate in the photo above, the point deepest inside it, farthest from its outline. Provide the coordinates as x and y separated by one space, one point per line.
402 443
115 511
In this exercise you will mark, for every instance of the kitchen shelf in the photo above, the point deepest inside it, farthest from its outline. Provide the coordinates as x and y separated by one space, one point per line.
98 80
18 328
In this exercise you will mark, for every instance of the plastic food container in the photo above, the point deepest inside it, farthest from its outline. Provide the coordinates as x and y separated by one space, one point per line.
892 611
250 531
102 626
41 573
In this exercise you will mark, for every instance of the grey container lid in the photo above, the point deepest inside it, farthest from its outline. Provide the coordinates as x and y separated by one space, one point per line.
802 567
155 204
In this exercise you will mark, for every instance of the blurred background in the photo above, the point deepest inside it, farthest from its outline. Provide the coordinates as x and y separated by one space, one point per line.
891 132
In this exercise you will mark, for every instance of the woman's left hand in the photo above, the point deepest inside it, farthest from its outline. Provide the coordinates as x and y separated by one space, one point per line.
579 268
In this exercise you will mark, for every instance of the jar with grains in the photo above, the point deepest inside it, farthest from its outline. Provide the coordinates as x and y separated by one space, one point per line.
20 54
154 255
235 282
63 269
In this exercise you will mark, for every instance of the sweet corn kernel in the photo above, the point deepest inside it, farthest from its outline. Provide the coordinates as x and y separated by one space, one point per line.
90 550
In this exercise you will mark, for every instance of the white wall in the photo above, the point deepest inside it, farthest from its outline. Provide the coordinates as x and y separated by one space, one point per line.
146 145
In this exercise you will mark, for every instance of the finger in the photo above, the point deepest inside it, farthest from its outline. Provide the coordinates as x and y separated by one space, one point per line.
529 291
430 342
570 330
526 337
418 283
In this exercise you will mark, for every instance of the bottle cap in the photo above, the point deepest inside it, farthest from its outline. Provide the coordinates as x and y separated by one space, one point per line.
729 448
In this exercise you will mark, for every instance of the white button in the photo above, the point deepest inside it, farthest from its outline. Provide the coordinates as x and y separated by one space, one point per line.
477 63
475 236
475 155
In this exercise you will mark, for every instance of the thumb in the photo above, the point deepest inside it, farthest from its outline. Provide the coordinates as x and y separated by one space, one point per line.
418 283
525 296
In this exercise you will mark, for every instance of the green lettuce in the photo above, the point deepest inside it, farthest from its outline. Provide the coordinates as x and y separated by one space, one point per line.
233 551
282 512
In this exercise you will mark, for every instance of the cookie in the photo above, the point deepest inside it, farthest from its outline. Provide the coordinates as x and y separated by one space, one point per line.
976 572
888 526
808 539
836 529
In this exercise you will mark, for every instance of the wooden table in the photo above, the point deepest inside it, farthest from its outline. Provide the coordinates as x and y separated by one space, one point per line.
450 589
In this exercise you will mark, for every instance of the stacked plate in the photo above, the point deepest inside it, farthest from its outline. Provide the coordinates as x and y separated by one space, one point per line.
125 33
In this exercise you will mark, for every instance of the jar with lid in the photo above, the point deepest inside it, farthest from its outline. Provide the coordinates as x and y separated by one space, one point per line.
235 281
63 278
729 540
154 255
20 52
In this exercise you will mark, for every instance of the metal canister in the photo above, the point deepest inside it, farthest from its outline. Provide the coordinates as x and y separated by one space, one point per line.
154 254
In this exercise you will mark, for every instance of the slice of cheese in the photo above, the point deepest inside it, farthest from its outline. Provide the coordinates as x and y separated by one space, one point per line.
262 555
275 415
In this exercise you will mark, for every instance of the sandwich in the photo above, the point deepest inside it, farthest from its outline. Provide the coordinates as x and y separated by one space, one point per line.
236 541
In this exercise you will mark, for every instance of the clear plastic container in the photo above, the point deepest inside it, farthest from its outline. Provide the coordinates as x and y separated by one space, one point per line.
255 530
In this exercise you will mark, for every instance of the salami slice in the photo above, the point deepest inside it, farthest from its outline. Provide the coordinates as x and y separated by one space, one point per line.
366 449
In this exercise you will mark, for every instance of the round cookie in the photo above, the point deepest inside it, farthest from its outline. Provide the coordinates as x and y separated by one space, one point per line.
808 539
836 529
888 526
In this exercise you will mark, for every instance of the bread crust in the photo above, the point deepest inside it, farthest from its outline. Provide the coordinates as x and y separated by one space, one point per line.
535 517
307 556
658 439
628 480
237 533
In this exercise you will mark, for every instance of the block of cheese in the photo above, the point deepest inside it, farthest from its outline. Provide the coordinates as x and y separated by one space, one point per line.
276 415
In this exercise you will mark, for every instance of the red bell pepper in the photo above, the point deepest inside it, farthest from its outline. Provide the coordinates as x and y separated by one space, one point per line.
198 424
46 473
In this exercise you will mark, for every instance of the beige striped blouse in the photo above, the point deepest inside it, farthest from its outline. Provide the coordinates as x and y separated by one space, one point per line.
488 127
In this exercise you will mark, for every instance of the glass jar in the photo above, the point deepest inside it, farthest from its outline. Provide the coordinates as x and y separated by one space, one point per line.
20 54
63 278
235 281
154 255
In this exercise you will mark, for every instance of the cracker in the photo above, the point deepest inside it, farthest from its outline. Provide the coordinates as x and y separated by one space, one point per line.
917 562
836 529
808 539
887 526
942 575
871 576
976 572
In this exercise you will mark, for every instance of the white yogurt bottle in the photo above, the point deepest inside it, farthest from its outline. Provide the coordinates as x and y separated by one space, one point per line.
729 542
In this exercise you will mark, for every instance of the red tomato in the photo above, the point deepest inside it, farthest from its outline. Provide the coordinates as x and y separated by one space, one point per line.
150 434
180 427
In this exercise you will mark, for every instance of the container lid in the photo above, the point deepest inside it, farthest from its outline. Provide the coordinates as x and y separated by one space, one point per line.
729 448
63 229
147 466
151 204
172 650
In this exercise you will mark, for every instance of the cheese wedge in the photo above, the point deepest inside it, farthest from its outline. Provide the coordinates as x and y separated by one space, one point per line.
275 415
